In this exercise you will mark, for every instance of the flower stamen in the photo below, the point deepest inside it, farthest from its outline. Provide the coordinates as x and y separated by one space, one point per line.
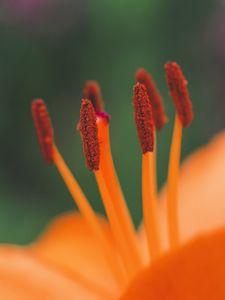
75 189
177 85
106 196
109 174
144 125
92 92
158 112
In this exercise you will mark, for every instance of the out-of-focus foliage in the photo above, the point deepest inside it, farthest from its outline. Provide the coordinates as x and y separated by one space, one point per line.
49 48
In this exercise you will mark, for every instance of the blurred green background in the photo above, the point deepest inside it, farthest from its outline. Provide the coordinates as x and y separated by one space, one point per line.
50 48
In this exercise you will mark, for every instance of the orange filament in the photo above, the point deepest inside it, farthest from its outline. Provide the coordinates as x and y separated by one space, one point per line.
43 128
155 98
114 188
92 92
150 204
86 210
172 183
154 166
116 229
177 85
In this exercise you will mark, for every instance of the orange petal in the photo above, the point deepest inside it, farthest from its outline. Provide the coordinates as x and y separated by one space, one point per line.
69 245
24 277
201 192
194 271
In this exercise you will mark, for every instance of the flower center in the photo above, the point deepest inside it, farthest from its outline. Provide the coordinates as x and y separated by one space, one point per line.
94 129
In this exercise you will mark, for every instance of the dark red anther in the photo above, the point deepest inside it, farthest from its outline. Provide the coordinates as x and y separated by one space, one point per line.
143 118
89 134
177 85
43 128
158 111
92 92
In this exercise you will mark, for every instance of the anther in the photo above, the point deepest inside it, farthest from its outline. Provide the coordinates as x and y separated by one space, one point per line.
158 111
143 118
43 128
89 134
177 85
92 92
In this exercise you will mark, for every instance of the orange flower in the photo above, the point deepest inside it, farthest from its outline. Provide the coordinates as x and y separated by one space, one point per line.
178 252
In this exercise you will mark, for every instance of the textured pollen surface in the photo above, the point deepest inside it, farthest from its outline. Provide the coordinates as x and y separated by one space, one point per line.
177 85
89 134
92 92
155 98
143 118
43 128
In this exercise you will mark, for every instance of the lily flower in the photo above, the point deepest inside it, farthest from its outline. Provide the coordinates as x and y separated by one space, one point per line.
178 252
